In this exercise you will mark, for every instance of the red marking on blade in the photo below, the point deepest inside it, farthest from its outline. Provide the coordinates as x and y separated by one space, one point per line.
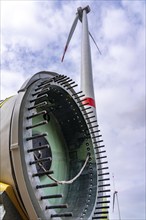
65 49
89 101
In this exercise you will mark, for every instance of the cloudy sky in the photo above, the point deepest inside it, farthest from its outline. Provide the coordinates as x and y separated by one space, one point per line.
33 35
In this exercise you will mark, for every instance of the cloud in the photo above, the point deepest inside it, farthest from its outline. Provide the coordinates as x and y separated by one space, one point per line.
24 29
112 18
10 83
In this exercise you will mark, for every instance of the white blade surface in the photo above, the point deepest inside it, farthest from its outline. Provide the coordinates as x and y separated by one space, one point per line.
70 35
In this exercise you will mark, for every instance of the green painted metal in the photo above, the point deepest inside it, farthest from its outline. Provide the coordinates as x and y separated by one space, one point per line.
60 158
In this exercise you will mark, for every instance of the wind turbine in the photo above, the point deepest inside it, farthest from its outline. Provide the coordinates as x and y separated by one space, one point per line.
115 197
86 64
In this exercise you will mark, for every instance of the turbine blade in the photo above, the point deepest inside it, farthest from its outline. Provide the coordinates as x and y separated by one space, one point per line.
114 195
70 35
95 43
118 205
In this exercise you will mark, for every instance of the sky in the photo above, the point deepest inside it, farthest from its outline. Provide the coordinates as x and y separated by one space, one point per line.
33 36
